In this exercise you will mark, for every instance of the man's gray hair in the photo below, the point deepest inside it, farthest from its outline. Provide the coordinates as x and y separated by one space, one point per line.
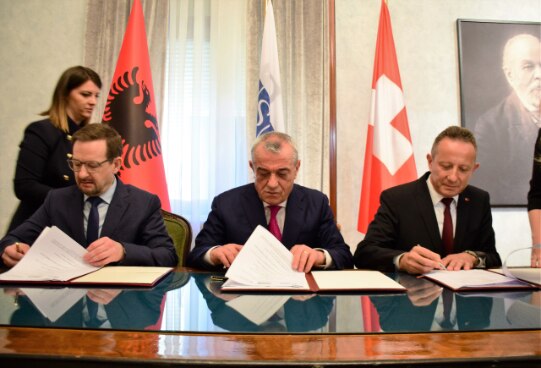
273 141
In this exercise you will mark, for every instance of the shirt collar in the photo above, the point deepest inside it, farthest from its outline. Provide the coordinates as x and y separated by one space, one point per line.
434 195
283 204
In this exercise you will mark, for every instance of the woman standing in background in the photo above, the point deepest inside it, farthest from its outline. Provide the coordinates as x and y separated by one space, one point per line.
46 145
534 204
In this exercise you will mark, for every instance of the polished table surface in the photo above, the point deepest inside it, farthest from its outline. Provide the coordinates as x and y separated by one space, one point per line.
186 320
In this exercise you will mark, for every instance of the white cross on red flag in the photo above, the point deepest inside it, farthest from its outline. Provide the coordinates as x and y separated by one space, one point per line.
388 159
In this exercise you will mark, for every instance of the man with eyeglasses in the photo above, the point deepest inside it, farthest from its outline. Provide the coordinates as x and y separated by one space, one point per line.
299 217
128 220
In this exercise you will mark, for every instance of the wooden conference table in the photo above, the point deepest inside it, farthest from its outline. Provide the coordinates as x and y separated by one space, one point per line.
186 321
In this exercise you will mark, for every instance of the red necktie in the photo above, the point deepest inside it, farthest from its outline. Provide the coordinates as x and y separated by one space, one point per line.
273 224
447 233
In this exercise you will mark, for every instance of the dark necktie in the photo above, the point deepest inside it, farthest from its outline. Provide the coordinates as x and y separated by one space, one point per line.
447 296
93 225
447 233
93 320
273 223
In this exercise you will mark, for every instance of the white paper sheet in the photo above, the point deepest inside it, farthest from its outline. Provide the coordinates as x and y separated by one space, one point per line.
354 280
472 279
528 274
54 256
264 262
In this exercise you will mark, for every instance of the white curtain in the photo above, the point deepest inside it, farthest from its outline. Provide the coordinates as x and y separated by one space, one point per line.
203 129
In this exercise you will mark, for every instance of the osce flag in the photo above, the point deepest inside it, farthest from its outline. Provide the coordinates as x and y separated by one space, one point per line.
270 114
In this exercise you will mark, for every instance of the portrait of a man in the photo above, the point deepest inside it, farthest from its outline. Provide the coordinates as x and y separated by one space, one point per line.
501 95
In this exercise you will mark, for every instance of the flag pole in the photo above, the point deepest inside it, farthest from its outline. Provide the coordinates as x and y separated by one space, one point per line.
332 108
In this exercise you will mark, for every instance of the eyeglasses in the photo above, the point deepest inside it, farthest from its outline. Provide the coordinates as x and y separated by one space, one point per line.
91 166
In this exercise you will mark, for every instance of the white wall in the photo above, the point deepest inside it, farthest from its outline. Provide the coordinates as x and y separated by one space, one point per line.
426 44
39 38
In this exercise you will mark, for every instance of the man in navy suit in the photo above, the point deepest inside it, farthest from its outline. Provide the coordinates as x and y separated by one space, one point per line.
304 217
131 228
405 234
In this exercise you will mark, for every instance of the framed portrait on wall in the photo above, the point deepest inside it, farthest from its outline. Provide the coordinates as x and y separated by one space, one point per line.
500 96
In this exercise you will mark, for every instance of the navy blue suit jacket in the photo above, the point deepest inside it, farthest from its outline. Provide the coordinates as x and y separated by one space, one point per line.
236 213
406 218
133 219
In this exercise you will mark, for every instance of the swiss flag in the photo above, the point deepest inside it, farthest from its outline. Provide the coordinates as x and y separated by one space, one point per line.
131 110
388 160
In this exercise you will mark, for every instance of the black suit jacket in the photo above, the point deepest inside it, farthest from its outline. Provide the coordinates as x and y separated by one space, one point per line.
133 219
406 218
41 166
398 314
236 213
130 310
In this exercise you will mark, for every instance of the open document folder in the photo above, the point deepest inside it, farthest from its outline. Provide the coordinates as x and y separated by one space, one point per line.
470 280
56 258
265 264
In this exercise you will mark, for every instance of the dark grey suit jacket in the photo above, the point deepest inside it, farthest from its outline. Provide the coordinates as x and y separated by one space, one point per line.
406 218
236 213
133 219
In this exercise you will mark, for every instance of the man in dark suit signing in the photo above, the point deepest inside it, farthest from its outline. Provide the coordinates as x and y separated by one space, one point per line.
303 216
406 233
129 222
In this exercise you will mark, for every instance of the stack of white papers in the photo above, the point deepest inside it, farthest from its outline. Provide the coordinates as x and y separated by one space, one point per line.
266 264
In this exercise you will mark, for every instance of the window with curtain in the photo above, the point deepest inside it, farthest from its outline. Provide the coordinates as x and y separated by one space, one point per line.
203 130
204 123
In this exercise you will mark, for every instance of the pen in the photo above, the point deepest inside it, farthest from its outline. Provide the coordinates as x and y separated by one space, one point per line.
17 247
442 267
218 278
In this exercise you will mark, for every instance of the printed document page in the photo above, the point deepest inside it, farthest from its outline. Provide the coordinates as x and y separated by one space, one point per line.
264 263
354 280
528 274
54 256
472 279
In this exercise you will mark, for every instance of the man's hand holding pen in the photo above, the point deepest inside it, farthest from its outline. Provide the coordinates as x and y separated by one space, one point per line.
14 253
420 260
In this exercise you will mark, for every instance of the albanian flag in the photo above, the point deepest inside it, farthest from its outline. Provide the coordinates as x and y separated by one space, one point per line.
131 110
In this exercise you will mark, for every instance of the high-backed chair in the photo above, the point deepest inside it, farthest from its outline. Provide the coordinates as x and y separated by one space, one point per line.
180 231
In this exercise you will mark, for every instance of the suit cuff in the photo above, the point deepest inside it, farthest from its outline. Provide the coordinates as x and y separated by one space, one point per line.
328 259
206 257
396 261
